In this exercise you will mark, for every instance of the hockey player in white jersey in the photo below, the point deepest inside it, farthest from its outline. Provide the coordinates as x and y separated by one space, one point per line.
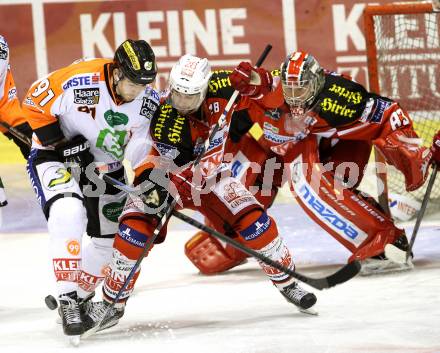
97 111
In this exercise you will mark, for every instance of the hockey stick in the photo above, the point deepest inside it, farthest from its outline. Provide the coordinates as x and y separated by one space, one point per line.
421 212
169 209
345 273
22 137
342 275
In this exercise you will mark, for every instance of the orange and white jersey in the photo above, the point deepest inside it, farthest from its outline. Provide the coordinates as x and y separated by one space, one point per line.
10 110
78 100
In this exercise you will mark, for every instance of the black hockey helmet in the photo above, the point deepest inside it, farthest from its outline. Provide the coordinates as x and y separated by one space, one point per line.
136 60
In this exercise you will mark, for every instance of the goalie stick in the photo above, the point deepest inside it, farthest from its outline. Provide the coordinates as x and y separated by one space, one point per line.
342 275
394 253
422 211
169 209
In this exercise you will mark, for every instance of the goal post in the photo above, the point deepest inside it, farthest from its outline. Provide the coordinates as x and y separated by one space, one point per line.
403 56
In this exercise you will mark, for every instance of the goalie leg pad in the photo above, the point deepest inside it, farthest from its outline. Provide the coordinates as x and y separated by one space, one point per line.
349 217
210 256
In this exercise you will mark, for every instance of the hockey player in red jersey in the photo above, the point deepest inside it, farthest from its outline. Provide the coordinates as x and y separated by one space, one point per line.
179 129
92 113
321 126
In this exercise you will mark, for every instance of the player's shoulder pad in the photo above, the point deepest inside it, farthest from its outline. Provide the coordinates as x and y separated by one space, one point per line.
219 84
161 120
343 85
80 74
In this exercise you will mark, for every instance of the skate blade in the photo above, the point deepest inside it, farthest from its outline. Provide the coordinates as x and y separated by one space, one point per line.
97 328
75 340
309 311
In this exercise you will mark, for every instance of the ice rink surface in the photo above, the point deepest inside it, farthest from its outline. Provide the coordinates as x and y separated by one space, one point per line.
174 309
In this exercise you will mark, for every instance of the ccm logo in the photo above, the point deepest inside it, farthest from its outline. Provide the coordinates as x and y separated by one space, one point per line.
76 149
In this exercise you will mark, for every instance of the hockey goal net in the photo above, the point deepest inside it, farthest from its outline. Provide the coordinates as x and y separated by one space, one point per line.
403 50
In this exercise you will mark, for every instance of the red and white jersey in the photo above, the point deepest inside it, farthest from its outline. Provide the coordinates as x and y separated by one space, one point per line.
343 110
79 100
10 110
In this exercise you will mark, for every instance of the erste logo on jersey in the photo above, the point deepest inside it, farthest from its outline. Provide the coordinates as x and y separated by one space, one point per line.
86 96
82 80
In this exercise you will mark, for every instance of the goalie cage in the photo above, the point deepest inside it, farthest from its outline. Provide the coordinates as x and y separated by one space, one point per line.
403 53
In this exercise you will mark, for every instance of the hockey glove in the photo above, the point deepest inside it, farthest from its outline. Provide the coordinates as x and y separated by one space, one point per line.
75 153
436 149
155 196
183 183
251 81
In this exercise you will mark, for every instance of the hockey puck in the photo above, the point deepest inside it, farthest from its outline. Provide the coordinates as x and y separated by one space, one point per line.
51 302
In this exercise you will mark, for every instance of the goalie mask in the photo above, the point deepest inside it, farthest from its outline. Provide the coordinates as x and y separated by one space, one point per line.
188 83
302 78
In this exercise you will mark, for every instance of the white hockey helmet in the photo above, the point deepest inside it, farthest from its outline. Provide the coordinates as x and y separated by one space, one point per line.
188 83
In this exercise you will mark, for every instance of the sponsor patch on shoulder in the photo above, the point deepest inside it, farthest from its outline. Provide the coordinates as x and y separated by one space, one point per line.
149 107
379 109
82 80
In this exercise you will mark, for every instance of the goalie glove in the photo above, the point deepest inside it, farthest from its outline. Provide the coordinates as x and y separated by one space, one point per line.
251 81
435 149
401 149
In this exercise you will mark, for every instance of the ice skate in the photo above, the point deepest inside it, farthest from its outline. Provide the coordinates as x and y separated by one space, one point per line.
95 311
392 260
302 299
71 317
